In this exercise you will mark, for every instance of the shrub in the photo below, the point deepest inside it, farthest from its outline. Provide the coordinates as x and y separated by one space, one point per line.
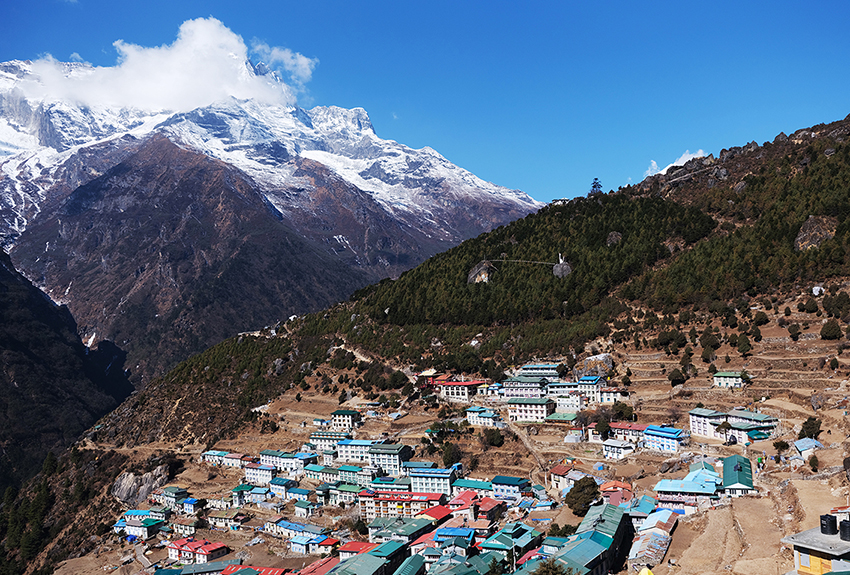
831 330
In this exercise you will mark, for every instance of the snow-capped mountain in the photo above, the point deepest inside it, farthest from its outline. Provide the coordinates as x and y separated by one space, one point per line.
265 141
166 231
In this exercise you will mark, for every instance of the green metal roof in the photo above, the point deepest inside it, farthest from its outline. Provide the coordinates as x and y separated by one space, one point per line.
530 401
472 484
562 417
602 518
737 470
413 565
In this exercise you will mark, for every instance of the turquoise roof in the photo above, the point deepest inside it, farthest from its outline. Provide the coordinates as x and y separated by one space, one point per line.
737 470
604 518
413 565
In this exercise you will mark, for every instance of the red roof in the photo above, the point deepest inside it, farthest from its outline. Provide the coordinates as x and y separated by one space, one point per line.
614 485
329 541
463 498
487 503
426 538
261 570
320 567
357 547
436 513
560 470
461 383
628 425
211 547
620 497
528 556
454 522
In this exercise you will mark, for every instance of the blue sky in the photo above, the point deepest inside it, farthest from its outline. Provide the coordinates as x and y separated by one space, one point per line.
539 96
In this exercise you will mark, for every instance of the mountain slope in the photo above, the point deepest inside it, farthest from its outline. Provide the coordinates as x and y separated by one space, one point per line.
149 259
51 387
642 266
170 251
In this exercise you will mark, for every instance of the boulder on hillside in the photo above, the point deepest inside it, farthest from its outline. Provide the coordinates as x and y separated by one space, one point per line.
814 231
595 365
481 272
131 489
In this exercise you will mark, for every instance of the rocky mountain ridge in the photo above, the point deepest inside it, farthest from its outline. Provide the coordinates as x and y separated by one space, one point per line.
88 213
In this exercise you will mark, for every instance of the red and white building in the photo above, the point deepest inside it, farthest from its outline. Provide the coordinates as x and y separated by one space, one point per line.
191 550
458 390
396 503
627 431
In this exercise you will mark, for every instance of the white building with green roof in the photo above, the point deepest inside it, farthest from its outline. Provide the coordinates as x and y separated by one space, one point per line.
737 476
482 488
729 379
530 409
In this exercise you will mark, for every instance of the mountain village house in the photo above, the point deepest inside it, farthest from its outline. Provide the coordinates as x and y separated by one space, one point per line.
345 419
822 549
664 439
617 449
524 387
396 504
389 457
458 390
745 426
533 409
728 379
482 417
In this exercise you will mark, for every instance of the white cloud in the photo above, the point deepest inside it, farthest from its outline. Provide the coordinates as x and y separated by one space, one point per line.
683 159
206 63
298 67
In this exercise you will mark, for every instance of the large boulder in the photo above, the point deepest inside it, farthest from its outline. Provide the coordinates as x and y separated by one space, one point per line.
814 231
131 489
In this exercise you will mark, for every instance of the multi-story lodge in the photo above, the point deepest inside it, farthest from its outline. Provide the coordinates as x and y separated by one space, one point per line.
433 480
345 419
744 425
561 387
665 439
627 431
534 409
574 402
355 449
396 504
481 417
728 379
327 440
591 387
608 395
538 370
458 390
522 386
389 457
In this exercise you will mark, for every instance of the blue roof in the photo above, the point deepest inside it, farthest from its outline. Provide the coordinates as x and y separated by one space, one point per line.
807 443
508 480
670 432
679 486
643 504
361 442
299 491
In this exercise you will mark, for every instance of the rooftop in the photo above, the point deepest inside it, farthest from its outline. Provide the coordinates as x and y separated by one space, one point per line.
813 539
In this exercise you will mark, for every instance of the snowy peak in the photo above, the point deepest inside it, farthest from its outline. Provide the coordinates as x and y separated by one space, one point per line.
349 124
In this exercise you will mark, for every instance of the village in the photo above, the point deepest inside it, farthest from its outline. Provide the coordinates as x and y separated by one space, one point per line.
360 494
